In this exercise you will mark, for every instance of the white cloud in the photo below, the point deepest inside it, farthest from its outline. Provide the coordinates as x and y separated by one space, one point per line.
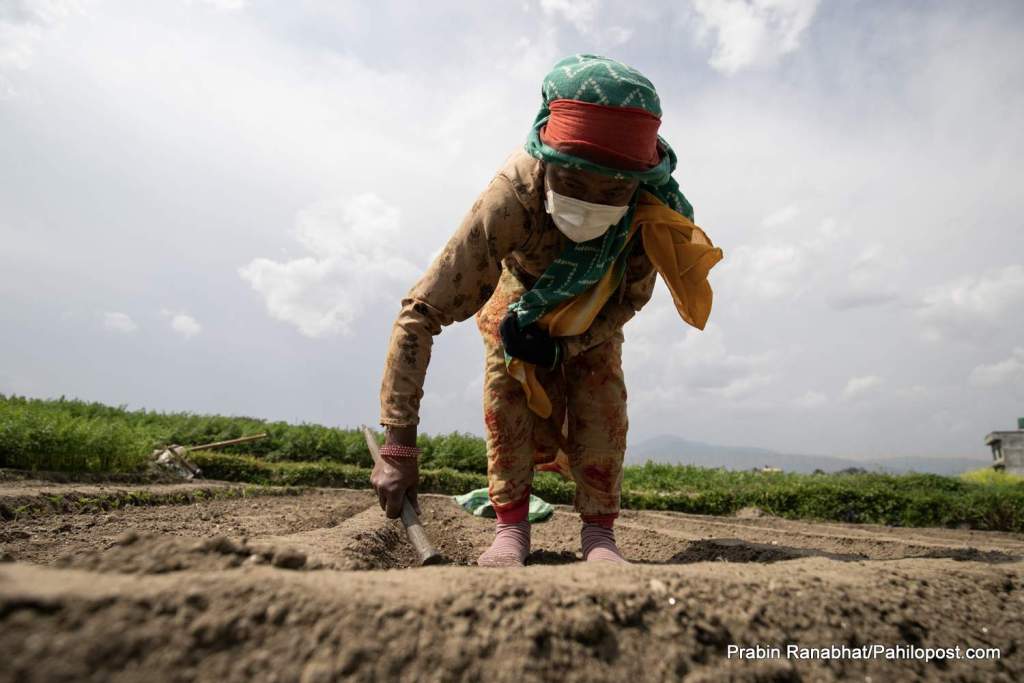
697 362
870 280
1008 371
119 322
811 399
617 35
791 259
741 387
24 24
356 260
579 13
182 323
701 361
971 306
753 32
857 387
780 217
850 299
914 393
221 5
784 261
582 15
767 271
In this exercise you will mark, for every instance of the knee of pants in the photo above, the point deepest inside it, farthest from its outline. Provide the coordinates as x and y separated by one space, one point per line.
598 419
600 429
509 427
508 421
598 424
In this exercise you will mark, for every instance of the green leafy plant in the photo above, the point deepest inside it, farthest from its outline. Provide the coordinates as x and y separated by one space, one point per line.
68 435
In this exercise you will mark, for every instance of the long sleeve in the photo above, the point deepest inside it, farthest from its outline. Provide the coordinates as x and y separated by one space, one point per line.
455 286
637 288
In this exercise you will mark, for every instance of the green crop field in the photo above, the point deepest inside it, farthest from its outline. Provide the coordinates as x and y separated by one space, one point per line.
76 436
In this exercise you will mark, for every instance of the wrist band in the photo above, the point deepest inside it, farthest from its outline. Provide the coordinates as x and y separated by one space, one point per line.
395 450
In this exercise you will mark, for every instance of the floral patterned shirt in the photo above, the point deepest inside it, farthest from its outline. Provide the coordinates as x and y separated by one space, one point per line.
507 227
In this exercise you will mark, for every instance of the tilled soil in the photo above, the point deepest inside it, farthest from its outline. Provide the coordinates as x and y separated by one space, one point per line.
320 586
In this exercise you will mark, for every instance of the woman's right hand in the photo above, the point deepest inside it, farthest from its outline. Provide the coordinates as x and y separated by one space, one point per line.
395 479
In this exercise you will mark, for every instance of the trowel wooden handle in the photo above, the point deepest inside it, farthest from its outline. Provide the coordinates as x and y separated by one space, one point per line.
418 536
410 520
229 442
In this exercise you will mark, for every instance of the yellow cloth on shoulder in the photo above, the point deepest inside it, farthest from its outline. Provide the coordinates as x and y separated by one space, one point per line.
681 253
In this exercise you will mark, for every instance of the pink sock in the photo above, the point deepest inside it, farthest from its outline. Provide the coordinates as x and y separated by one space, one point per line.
516 512
599 544
510 547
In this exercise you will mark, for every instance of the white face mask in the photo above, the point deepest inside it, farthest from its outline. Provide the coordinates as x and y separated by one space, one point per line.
581 221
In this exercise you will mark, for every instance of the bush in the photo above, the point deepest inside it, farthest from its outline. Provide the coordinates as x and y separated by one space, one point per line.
76 436
456 451
34 439
991 477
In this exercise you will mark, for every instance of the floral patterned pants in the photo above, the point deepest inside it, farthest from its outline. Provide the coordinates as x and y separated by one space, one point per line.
588 395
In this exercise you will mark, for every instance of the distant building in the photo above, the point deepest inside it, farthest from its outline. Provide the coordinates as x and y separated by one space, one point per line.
1008 449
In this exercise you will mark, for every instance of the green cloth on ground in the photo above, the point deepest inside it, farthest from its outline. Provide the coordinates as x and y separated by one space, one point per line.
478 503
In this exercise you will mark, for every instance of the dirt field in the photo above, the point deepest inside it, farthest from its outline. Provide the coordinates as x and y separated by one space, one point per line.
319 586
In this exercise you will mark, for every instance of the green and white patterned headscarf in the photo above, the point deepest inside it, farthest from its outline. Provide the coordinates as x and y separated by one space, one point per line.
604 81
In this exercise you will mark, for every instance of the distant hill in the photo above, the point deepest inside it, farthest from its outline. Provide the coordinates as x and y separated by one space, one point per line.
675 450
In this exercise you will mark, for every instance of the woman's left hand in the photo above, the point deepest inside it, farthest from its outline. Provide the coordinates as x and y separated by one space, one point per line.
529 343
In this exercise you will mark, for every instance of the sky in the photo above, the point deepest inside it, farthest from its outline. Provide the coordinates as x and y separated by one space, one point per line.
217 206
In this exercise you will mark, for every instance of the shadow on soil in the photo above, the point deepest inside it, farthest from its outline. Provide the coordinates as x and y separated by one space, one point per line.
736 550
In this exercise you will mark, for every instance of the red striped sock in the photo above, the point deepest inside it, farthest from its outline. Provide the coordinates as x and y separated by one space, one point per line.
599 544
510 547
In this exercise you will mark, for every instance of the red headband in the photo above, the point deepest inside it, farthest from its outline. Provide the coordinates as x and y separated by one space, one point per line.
618 137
